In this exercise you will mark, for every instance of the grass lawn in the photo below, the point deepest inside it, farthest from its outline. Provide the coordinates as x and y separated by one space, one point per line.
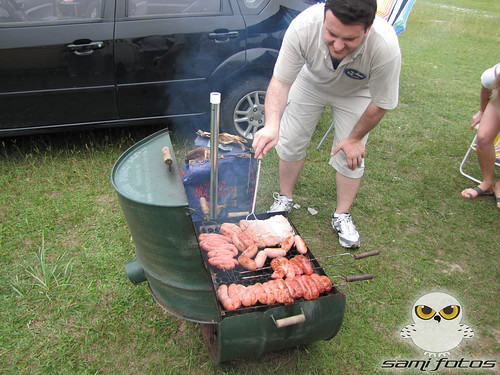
67 306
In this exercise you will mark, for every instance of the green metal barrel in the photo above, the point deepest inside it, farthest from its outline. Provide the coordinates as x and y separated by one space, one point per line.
155 206
255 333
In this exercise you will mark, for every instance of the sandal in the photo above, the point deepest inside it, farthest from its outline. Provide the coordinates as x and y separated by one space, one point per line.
479 192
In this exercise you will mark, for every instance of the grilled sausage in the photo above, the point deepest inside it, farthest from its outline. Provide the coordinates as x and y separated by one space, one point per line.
274 252
251 251
220 253
297 267
271 297
223 262
260 259
260 292
229 301
247 296
304 264
213 236
247 263
288 243
229 229
300 244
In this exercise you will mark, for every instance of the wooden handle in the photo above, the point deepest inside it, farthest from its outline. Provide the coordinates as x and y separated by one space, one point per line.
204 206
368 276
365 255
167 157
290 321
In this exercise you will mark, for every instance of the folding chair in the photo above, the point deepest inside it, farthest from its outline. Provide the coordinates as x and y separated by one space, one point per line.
395 12
471 148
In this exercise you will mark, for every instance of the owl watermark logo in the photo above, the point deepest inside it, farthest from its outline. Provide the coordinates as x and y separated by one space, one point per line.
437 326
437 330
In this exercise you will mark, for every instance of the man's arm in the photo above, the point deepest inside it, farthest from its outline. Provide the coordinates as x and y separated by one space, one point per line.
353 146
276 101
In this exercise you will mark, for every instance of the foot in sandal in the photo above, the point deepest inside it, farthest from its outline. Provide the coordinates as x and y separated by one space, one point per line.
496 191
476 191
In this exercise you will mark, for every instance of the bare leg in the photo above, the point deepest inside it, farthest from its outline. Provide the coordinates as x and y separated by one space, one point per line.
489 128
347 188
289 174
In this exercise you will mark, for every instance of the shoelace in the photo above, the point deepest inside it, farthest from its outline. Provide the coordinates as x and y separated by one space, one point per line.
345 220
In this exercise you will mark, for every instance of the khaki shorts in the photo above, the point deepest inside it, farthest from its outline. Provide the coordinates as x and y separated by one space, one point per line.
303 111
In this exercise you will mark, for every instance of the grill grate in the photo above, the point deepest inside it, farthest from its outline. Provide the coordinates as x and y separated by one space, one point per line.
240 275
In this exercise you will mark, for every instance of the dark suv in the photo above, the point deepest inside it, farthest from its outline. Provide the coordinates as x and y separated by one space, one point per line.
72 63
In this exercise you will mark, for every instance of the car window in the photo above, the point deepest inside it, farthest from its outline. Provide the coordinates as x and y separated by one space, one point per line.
173 7
12 11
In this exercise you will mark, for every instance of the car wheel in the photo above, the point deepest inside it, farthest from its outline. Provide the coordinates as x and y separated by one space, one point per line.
242 107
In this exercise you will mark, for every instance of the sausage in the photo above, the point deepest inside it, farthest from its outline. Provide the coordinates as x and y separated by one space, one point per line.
304 264
252 294
274 252
238 243
287 297
277 291
298 291
245 238
244 294
232 292
297 268
260 293
260 259
208 246
282 268
247 263
300 244
251 251
306 290
228 302
312 285
271 298
229 229
326 282
220 253
288 243
317 279
222 262
213 236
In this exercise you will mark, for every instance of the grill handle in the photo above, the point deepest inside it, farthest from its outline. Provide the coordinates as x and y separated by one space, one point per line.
290 321
365 255
350 279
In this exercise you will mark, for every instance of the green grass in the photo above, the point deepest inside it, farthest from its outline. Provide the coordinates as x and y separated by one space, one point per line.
68 307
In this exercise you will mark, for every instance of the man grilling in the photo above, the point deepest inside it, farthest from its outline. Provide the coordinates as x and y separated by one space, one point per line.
336 54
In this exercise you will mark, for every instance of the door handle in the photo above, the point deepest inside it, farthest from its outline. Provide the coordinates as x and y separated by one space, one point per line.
84 47
223 36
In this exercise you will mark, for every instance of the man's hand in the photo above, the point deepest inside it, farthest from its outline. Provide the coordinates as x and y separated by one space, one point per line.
353 150
265 139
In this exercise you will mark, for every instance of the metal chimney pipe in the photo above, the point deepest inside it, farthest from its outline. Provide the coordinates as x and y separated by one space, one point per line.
214 153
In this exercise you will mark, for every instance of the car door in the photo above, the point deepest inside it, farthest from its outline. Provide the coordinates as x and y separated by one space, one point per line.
166 50
56 63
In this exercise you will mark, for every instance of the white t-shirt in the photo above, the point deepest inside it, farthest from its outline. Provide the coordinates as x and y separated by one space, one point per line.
489 76
371 71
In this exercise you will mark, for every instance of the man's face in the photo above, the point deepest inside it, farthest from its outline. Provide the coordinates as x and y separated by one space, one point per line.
342 39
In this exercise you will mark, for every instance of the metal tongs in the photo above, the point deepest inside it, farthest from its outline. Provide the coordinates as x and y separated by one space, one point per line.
257 178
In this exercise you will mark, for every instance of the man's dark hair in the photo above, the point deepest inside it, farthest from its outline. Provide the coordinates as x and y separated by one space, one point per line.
351 12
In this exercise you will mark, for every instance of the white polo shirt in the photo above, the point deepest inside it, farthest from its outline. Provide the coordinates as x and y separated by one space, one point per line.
371 71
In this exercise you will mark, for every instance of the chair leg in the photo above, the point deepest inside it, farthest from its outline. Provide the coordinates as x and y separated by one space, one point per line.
471 147
324 137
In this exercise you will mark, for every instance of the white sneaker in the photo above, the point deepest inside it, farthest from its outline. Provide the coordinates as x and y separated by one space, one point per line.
345 228
281 203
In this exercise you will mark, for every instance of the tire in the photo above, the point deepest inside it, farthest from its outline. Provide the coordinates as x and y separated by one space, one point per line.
242 107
